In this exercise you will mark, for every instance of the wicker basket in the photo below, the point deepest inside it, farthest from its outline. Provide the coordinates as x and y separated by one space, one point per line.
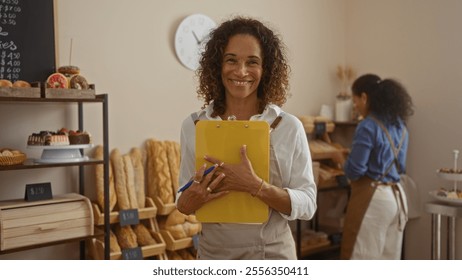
17 158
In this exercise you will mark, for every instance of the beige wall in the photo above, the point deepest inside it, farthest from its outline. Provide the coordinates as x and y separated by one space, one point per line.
127 51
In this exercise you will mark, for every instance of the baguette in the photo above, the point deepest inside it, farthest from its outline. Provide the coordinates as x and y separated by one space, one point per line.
173 156
126 237
159 180
115 248
130 181
120 181
143 235
137 162
99 176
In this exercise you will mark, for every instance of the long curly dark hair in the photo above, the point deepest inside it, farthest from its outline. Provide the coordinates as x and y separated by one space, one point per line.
274 83
387 99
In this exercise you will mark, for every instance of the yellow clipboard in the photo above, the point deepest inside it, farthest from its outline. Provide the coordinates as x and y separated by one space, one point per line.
223 140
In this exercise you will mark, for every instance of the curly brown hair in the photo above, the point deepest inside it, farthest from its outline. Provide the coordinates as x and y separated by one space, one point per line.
388 99
274 84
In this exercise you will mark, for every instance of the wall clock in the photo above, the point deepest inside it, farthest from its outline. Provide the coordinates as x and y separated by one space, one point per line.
189 39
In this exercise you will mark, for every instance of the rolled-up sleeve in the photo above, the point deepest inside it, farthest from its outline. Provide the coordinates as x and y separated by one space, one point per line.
300 185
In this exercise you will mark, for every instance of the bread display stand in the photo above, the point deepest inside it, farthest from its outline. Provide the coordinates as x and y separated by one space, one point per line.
173 244
25 223
150 211
97 246
163 209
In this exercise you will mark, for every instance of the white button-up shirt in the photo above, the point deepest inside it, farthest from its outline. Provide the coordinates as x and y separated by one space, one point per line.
290 168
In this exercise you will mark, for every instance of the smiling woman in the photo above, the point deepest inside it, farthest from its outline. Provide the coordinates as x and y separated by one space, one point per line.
243 74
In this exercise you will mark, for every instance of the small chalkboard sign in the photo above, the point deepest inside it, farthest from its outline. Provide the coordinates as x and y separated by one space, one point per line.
27 40
39 191
342 181
129 217
319 128
132 254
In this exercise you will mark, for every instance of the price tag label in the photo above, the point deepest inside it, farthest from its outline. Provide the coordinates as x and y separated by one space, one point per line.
132 254
319 128
342 181
39 191
129 217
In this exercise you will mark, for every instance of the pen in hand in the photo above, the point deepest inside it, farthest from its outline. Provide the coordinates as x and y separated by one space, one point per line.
188 184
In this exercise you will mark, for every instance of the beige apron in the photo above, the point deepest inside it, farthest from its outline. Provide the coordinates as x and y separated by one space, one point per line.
362 192
360 197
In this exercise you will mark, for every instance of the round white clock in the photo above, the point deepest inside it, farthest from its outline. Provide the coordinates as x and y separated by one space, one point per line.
189 39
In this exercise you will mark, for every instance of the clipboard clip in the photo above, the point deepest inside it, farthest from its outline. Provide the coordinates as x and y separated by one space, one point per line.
231 118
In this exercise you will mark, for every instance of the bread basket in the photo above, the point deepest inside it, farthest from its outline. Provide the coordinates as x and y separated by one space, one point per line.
13 158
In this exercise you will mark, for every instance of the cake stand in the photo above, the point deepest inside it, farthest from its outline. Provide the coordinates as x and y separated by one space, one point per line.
61 154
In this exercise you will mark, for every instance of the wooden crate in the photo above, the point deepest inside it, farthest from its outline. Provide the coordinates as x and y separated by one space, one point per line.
32 92
163 209
70 93
149 211
25 223
173 244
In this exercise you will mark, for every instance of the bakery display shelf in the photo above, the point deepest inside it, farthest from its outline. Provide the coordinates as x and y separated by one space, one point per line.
149 211
173 244
32 164
99 98
163 209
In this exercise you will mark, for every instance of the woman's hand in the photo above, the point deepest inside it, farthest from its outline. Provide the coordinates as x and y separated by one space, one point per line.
239 177
201 190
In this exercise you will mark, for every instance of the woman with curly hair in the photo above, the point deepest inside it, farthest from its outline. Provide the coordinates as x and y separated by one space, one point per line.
377 210
243 75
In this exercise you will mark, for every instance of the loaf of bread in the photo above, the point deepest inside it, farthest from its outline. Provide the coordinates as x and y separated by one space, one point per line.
159 178
115 248
173 156
120 181
138 169
185 254
180 225
126 237
143 236
130 181
173 255
99 176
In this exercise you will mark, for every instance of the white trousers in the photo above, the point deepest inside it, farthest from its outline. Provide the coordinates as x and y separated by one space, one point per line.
380 236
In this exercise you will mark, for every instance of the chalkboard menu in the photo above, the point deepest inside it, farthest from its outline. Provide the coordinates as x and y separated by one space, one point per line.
27 40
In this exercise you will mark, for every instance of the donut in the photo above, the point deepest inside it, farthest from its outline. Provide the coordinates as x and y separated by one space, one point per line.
20 83
57 80
69 70
5 83
78 82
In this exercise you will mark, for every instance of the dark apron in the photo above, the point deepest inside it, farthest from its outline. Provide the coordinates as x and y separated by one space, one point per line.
360 197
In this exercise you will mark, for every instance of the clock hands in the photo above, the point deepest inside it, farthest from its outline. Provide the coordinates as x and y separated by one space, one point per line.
195 37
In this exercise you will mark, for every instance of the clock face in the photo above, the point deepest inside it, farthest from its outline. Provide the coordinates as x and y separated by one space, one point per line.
189 39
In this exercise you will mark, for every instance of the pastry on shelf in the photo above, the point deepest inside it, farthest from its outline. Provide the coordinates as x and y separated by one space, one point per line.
11 157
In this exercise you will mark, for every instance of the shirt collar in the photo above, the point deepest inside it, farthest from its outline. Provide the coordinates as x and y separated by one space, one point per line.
269 114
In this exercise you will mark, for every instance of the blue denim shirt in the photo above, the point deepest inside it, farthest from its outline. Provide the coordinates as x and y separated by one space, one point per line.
371 153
